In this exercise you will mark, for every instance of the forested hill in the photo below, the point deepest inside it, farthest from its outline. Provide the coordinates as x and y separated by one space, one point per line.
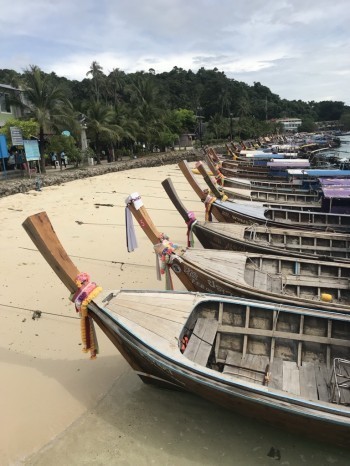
208 92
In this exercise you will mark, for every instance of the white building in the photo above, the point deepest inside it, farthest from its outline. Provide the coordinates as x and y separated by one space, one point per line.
7 110
290 125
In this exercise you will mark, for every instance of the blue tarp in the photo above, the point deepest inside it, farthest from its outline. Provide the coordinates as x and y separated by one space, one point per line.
3 147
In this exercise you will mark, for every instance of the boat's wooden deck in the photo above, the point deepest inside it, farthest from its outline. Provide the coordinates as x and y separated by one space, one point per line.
220 263
151 315
311 380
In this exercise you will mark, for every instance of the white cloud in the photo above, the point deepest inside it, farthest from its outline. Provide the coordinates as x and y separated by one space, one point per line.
297 48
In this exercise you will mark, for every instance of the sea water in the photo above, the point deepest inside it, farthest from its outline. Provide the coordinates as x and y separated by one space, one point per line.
137 424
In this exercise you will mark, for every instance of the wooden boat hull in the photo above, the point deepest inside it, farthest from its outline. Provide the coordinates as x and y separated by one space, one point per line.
196 277
149 329
254 175
155 368
316 246
304 220
273 196
279 241
264 185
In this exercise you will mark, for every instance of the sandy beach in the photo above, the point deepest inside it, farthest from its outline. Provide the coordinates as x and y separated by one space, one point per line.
57 406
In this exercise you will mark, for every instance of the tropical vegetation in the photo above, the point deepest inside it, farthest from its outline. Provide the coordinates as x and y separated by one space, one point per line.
144 111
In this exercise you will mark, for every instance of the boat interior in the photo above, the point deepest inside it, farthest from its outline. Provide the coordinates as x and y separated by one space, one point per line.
300 353
311 243
294 278
313 218
284 196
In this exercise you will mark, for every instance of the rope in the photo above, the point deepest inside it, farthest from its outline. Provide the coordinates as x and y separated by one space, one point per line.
220 179
209 201
86 292
190 224
165 249
36 310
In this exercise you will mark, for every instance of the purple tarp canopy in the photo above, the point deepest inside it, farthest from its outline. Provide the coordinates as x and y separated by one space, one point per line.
336 182
337 192
305 164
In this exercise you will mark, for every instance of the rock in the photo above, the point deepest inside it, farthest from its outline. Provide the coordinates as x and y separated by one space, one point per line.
53 177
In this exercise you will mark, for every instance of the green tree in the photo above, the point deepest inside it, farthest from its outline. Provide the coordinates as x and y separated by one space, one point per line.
29 128
97 79
149 109
307 125
44 102
218 126
345 120
67 144
100 126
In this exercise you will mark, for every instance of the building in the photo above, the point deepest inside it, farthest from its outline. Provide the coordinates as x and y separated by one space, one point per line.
8 110
290 125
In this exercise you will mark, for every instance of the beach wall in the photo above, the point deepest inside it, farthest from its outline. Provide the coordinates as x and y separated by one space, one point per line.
56 177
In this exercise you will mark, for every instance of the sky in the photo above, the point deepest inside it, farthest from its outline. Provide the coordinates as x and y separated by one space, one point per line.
300 49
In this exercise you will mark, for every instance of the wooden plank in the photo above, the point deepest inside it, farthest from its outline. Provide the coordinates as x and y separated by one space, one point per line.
301 330
322 382
232 363
274 284
286 335
218 337
276 374
307 376
246 325
201 341
291 383
252 367
162 328
329 334
260 280
251 363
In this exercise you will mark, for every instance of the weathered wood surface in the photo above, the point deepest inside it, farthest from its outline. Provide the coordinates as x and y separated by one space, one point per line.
201 341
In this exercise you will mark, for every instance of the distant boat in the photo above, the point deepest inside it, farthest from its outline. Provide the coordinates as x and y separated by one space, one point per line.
231 212
308 199
261 239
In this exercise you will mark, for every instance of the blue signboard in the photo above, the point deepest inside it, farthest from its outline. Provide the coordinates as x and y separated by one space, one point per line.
3 147
31 148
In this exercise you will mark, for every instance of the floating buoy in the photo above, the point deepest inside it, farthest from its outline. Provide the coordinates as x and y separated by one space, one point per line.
326 297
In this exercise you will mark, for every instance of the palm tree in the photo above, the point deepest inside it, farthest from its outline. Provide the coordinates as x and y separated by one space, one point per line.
43 101
97 78
148 107
114 85
101 127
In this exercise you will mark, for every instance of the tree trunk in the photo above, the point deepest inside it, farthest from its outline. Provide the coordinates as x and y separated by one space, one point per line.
97 145
41 150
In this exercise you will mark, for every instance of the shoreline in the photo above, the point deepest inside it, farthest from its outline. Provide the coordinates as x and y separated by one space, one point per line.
54 177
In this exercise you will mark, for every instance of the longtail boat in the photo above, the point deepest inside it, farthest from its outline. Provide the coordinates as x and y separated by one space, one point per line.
226 211
310 200
284 365
256 185
305 282
254 238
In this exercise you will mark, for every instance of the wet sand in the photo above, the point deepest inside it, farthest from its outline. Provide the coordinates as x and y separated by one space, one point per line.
57 406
